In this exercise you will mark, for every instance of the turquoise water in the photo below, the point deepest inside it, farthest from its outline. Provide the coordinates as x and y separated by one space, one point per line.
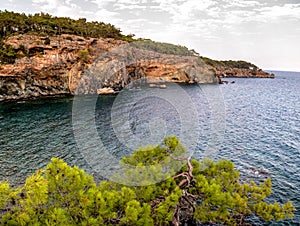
253 122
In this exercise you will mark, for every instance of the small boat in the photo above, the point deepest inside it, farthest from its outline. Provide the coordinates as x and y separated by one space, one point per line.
1 117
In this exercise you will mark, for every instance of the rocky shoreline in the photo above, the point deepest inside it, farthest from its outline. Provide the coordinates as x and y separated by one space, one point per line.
74 65
224 72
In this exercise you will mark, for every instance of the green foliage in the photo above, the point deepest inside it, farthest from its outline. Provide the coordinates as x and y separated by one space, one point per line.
8 54
229 63
64 195
153 164
165 48
84 55
238 64
4 193
12 23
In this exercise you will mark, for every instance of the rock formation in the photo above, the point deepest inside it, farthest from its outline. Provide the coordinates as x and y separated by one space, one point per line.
48 69
70 65
119 67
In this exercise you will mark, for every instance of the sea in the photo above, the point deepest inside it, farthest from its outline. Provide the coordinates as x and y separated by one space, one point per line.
254 122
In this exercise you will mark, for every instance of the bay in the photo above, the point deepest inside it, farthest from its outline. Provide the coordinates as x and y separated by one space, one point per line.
253 122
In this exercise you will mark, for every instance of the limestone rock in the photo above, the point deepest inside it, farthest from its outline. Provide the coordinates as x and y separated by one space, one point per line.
71 64
106 90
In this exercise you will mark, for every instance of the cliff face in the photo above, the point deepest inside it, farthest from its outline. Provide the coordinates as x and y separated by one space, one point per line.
47 68
121 66
70 64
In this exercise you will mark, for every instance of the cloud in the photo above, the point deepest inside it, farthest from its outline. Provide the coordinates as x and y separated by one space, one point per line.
240 4
46 4
214 26
207 18
131 2
60 8
101 3
121 6
106 13
185 10
291 11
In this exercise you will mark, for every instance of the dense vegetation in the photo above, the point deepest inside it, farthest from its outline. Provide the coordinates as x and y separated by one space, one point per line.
12 23
201 192
229 63
165 48
8 54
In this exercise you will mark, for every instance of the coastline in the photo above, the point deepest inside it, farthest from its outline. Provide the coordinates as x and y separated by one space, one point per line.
72 65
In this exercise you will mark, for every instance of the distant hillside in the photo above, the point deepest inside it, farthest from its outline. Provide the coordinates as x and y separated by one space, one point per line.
43 55
43 24
229 63
168 48
70 65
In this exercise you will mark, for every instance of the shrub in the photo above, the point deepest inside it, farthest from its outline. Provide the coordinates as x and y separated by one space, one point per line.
8 54
84 55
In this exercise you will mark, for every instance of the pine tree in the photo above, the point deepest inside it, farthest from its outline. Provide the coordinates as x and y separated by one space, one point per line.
204 191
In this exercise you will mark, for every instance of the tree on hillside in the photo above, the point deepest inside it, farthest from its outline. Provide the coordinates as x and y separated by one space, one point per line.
12 23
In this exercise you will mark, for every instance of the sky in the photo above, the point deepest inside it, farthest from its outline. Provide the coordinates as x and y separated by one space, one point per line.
266 33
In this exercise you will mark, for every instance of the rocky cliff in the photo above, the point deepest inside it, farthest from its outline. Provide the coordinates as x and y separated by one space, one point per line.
70 64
